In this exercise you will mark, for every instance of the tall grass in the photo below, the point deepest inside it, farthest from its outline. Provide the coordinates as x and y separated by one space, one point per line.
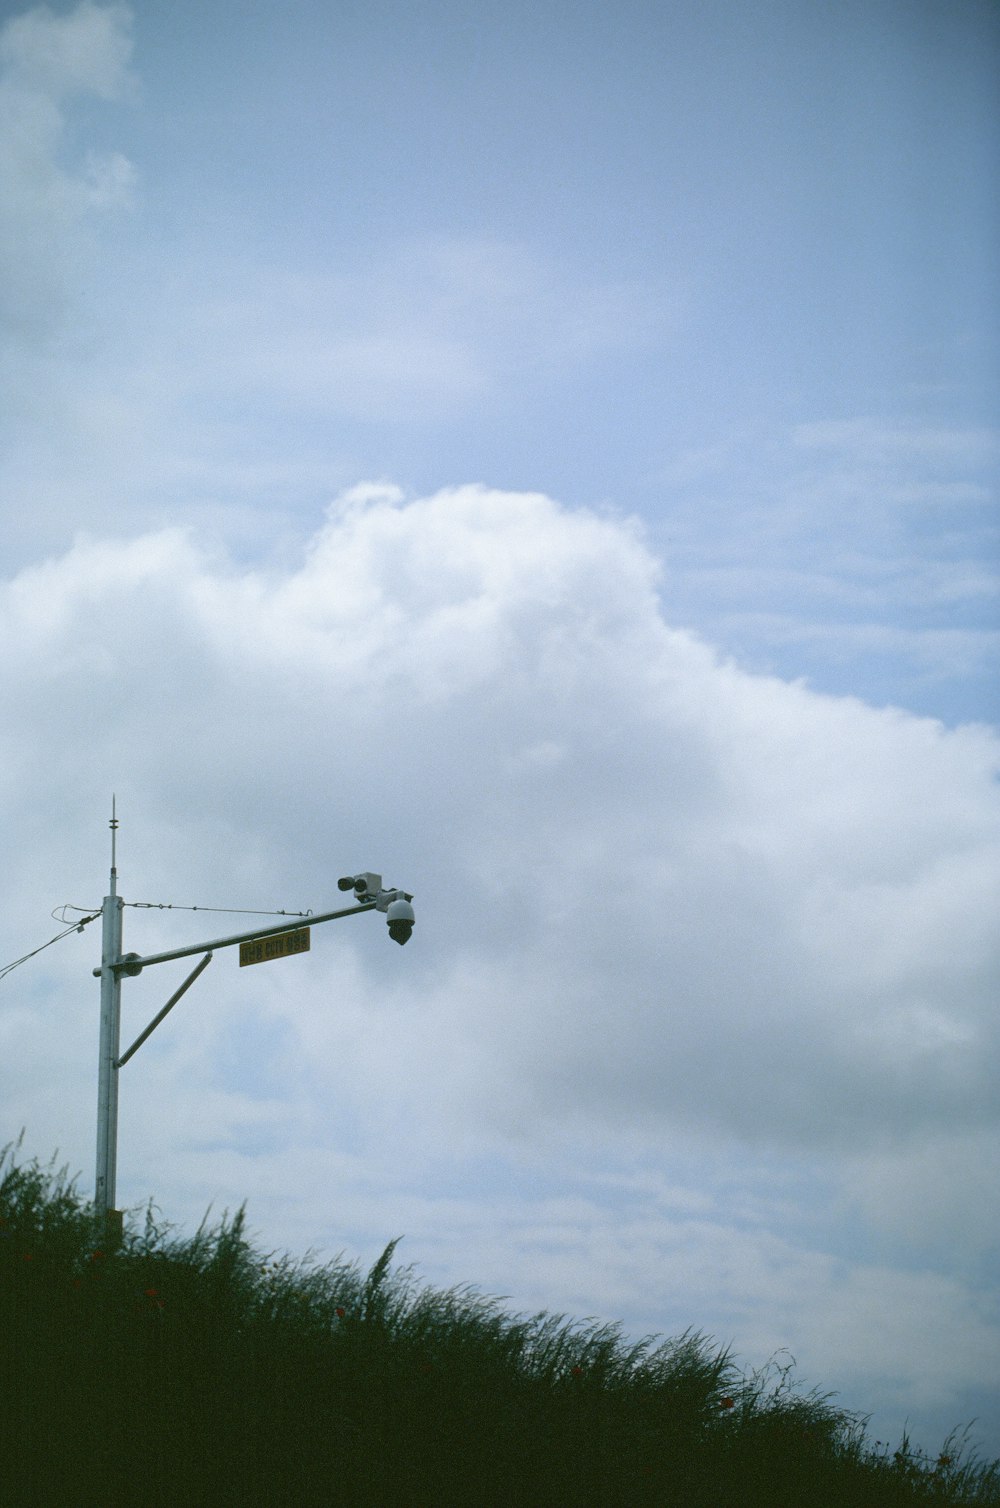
200 1371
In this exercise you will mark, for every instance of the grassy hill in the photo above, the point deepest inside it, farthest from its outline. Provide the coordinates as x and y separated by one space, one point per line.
203 1372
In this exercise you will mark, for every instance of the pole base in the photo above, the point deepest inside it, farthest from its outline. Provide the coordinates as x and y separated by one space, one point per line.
113 1227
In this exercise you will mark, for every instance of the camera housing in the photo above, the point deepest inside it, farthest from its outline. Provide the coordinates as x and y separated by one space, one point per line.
367 888
399 915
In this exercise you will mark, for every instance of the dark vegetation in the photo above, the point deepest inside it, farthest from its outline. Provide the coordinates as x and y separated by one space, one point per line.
201 1372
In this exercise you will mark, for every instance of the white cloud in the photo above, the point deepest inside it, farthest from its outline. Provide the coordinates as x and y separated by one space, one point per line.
86 51
865 560
668 914
45 60
885 442
420 331
234 390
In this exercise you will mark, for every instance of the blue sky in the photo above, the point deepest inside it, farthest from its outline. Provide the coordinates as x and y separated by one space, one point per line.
729 270
548 453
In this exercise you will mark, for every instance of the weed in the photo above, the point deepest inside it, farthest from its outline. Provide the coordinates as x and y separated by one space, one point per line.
199 1371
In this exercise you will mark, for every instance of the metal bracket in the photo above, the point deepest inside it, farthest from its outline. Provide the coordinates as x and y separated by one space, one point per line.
189 981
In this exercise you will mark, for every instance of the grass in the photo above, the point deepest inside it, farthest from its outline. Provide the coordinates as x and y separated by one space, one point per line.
200 1371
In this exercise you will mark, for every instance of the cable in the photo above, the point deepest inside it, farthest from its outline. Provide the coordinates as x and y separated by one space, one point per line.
59 915
73 927
230 911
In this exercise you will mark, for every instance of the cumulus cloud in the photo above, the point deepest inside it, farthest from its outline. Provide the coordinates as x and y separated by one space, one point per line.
45 61
669 914
749 861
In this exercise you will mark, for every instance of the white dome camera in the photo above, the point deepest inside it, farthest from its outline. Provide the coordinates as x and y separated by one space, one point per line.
399 915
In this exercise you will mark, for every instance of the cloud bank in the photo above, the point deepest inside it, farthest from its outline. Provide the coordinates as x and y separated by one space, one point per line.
703 979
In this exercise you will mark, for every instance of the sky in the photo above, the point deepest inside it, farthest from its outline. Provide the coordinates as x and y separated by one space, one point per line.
548 455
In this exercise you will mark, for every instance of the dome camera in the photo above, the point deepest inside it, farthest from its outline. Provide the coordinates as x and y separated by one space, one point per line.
399 915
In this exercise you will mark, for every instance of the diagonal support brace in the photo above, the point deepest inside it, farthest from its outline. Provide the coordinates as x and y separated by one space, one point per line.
140 1039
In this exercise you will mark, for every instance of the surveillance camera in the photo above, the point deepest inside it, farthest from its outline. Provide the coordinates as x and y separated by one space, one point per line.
365 886
395 903
399 915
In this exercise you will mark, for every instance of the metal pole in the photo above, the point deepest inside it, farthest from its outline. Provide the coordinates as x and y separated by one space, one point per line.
107 1071
114 965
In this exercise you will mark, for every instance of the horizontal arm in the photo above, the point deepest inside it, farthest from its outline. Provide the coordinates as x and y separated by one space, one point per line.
132 964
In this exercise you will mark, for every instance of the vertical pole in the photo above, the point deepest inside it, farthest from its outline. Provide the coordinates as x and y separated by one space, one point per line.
107 1071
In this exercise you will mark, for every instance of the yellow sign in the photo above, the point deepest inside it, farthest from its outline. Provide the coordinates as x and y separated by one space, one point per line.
260 949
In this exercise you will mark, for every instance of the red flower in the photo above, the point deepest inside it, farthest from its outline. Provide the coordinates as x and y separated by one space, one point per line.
727 1403
577 1371
340 1313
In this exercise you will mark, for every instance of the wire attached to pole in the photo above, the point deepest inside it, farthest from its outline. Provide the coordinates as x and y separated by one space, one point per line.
220 910
73 927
